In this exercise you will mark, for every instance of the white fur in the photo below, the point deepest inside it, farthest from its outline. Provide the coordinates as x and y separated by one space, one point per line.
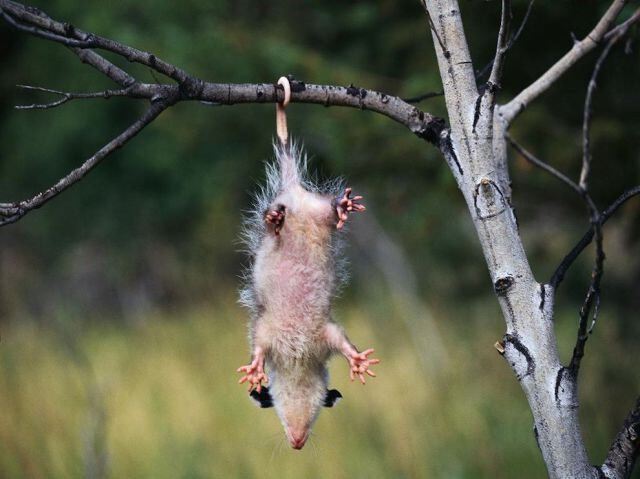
290 282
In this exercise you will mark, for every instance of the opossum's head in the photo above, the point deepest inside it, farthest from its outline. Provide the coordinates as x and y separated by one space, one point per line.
297 403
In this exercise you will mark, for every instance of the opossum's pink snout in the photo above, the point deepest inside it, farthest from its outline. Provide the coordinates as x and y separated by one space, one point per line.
297 438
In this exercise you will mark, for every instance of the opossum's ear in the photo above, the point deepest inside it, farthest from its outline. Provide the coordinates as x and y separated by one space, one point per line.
263 398
332 397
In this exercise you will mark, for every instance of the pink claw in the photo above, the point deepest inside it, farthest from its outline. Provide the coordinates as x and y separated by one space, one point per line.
359 363
254 374
275 217
346 205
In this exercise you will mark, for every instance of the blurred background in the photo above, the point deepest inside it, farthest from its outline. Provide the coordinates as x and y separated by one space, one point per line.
120 331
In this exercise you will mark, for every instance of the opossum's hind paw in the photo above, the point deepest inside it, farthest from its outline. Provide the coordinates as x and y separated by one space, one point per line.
360 363
254 375
275 217
345 204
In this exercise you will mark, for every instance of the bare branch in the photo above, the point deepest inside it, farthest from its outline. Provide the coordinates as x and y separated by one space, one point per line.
104 66
586 123
624 25
12 212
424 96
579 49
586 239
70 42
592 297
493 84
541 164
68 96
515 37
191 88
432 27
513 40
41 25
162 96
625 447
591 300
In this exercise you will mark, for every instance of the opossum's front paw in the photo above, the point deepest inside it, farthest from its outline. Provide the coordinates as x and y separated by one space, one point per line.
254 375
346 205
275 217
360 363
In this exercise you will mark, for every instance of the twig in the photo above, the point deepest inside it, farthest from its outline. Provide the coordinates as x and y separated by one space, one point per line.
512 41
12 212
445 52
586 239
591 300
104 66
501 50
70 42
624 25
592 297
579 49
45 27
588 110
424 96
541 164
625 447
68 96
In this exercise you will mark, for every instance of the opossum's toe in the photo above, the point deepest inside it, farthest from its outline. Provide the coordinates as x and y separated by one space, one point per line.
345 204
360 364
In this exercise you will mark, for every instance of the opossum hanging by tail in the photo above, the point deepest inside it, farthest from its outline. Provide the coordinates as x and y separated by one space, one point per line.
296 270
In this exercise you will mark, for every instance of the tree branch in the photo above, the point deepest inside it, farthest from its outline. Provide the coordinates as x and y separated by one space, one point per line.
104 66
192 88
12 212
624 25
586 239
68 96
40 24
513 40
625 447
542 165
586 123
592 298
162 96
495 77
424 96
579 49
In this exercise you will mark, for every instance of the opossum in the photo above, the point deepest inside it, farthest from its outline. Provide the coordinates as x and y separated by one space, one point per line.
296 270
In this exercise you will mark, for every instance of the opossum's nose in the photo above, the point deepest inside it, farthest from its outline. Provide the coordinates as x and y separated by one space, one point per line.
297 439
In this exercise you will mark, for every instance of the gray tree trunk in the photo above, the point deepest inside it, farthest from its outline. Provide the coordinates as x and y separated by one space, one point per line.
477 155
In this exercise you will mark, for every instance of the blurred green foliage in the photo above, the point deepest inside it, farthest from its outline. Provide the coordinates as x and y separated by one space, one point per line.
165 210
153 231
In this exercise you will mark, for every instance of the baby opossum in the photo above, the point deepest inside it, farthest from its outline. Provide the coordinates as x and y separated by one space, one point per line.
296 270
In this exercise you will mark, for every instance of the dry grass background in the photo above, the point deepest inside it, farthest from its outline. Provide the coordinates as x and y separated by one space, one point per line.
160 399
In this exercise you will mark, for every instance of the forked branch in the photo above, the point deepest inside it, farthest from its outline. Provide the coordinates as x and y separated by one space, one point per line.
12 212
511 42
186 88
587 238
579 49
